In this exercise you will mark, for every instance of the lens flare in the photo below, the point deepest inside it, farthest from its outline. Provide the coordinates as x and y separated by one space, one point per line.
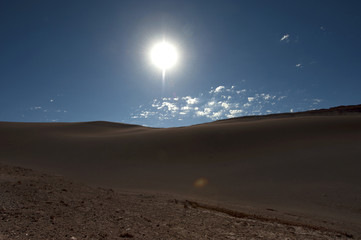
200 182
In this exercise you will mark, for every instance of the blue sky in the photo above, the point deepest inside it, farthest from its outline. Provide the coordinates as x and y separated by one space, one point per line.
72 61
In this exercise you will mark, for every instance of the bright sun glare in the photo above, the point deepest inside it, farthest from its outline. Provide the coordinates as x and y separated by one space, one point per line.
164 55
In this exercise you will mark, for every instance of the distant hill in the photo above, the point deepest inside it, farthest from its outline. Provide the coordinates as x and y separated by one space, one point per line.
340 110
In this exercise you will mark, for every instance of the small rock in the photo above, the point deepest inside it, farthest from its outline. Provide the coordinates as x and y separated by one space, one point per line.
126 235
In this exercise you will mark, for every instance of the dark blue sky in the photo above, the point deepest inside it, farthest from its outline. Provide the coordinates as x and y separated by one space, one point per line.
89 60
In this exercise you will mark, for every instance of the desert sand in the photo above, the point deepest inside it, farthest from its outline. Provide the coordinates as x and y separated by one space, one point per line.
294 176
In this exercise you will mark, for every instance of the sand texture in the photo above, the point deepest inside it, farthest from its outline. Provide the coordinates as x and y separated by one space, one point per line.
39 206
289 171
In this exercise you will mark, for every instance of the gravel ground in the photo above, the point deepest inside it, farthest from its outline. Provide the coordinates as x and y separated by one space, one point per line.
39 206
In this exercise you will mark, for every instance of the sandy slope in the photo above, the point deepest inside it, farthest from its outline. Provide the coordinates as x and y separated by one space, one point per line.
300 167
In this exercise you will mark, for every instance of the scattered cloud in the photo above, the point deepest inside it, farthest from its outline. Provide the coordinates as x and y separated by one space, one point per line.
225 105
190 100
299 65
205 112
267 96
170 106
323 28
50 109
316 101
61 111
217 90
211 105
250 99
234 113
285 38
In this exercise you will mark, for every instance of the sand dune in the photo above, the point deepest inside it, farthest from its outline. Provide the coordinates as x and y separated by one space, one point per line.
302 167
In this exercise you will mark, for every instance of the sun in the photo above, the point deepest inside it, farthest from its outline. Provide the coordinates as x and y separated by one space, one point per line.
164 55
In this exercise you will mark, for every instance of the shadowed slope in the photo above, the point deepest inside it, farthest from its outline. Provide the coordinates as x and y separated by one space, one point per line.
304 164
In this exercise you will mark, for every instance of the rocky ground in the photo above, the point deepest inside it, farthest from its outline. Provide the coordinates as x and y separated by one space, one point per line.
39 206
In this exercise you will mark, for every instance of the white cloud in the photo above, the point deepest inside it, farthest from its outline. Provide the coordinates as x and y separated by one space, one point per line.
285 37
316 101
190 100
216 115
299 65
219 89
266 96
225 105
155 104
170 106
205 112
211 103
250 99
235 111
186 108
146 114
